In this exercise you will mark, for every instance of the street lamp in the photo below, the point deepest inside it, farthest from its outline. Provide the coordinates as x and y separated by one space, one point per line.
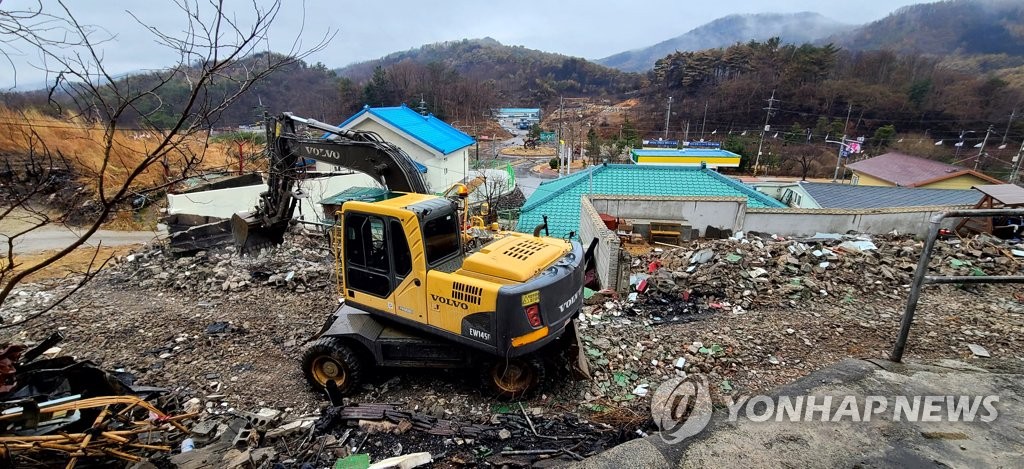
960 144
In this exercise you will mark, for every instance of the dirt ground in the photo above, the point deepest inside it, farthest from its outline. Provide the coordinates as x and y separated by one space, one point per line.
240 350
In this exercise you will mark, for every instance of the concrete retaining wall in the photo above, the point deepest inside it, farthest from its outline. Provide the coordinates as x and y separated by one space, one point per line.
699 212
732 213
802 222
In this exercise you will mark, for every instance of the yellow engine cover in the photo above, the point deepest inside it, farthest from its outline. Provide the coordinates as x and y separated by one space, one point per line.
516 257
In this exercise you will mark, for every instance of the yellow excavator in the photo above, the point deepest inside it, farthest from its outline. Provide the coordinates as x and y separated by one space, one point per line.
410 295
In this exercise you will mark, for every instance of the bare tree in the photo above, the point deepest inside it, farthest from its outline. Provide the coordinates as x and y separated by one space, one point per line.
804 157
490 186
219 57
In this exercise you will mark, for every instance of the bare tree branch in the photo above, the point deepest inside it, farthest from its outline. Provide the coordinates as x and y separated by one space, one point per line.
216 61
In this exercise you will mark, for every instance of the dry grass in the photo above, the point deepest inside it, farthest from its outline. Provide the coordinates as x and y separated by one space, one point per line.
76 262
82 144
528 152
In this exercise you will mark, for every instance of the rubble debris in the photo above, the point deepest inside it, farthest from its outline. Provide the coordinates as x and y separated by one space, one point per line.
979 351
300 264
406 461
61 411
763 271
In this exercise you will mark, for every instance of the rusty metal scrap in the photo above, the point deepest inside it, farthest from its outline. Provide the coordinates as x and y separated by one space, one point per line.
116 431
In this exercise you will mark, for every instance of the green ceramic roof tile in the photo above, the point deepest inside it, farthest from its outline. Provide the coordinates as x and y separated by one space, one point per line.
560 199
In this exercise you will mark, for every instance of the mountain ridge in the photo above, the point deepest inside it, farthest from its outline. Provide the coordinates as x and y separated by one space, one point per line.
792 28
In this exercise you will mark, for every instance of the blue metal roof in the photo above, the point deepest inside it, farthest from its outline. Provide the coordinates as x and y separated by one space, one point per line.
433 132
559 199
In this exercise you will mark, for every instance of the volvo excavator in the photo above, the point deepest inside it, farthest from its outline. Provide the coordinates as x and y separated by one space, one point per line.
410 296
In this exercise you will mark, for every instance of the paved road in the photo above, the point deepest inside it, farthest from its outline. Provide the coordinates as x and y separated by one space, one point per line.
58 236
526 180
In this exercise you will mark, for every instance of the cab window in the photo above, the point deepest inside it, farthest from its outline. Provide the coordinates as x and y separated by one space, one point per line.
441 237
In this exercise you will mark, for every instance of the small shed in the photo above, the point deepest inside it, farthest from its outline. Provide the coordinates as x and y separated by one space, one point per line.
995 196
333 203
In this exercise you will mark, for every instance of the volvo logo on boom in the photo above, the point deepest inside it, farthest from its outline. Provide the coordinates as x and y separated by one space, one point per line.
449 302
318 152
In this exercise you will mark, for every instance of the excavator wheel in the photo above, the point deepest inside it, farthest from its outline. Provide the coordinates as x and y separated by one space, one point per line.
331 359
515 378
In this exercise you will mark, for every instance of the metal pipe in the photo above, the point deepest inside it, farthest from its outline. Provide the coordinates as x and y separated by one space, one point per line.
915 288
920 277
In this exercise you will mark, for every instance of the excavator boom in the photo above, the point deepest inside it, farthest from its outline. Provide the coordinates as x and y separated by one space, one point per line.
287 151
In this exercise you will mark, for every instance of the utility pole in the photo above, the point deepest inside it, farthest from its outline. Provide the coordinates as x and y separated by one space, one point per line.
839 157
705 122
959 145
686 133
1008 124
1015 174
977 159
668 113
760 143
849 110
560 136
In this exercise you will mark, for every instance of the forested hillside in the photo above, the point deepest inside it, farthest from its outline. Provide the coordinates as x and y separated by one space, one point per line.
952 27
791 28
825 91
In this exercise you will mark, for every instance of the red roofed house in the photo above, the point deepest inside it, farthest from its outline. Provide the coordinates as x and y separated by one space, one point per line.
897 169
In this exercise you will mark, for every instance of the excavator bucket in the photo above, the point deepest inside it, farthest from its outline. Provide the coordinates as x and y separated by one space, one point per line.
251 234
579 367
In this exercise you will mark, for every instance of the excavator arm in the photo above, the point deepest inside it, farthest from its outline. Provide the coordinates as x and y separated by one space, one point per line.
360 151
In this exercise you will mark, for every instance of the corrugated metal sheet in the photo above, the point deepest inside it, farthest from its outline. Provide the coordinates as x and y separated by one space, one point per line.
1009 194
834 195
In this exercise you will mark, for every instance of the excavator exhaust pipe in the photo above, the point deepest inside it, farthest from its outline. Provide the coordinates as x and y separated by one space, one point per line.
251 234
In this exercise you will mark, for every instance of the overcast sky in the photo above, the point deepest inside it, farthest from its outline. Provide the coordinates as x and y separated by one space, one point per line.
371 29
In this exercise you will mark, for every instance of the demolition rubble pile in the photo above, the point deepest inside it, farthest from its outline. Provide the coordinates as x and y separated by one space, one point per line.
370 435
839 295
301 263
58 411
747 271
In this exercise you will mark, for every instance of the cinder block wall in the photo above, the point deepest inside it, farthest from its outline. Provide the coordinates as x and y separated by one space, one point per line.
608 249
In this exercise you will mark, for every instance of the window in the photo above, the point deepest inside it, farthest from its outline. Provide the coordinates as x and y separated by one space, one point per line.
441 236
367 266
400 250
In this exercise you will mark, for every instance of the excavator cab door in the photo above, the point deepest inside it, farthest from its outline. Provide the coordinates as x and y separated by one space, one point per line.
369 276
378 266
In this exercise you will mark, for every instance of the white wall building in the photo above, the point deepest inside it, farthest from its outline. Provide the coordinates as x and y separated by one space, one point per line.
442 151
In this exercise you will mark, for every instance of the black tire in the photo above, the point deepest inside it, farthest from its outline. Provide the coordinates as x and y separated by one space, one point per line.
515 378
331 359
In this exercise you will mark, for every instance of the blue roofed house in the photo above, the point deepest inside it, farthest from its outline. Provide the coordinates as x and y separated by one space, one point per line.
559 199
441 151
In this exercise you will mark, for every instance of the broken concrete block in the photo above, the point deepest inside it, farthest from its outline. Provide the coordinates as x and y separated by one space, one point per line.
405 461
291 427
702 256
978 351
